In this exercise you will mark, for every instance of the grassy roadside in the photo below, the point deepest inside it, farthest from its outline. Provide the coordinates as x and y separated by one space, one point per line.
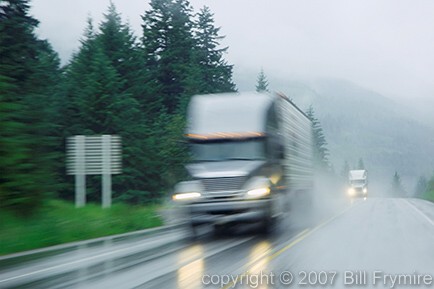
60 222
429 196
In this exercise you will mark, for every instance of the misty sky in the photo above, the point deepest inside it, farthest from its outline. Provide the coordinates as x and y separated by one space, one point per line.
383 45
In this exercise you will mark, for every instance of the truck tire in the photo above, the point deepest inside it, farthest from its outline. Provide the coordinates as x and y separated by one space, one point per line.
219 230
267 225
192 229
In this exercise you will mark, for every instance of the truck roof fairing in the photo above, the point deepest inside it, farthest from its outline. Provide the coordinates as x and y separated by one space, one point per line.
357 174
228 115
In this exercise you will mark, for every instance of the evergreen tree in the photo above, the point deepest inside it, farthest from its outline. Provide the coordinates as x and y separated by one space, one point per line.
169 46
213 71
421 187
429 193
99 103
320 151
361 164
345 170
28 71
124 52
397 188
262 82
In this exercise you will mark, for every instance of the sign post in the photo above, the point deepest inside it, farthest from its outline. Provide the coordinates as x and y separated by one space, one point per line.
93 155
80 177
106 176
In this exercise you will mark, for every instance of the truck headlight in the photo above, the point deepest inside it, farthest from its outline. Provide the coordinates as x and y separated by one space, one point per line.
186 196
258 193
351 191
187 191
365 190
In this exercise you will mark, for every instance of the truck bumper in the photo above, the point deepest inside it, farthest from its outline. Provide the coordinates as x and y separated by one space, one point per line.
228 212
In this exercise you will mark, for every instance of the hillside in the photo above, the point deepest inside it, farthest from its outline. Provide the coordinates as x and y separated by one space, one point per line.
358 122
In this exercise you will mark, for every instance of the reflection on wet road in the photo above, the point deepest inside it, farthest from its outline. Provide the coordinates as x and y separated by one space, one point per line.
394 236
373 243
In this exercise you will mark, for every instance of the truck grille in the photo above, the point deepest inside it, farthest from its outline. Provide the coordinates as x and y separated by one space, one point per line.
223 184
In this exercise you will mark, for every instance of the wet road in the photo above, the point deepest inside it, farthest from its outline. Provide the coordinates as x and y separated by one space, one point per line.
373 243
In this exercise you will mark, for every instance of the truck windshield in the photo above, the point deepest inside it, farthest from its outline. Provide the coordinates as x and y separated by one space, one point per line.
358 182
229 150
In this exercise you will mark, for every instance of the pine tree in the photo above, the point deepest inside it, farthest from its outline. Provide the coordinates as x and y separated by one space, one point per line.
421 187
28 70
124 52
397 188
262 82
98 103
214 72
17 49
361 164
345 170
169 46
320 151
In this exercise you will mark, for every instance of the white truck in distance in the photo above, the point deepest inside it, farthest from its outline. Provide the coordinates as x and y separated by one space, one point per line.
251 152
358 183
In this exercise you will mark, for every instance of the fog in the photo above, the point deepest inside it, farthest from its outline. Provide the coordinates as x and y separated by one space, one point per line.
366 68
385 46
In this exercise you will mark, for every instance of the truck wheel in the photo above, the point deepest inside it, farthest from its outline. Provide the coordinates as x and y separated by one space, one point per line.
267 226
193 231
219 230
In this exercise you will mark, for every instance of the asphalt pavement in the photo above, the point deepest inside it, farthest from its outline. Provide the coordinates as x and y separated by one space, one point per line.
372 243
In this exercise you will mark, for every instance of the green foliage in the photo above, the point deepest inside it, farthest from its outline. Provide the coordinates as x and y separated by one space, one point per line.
421 187
114 84
320 151
29 70
214 74
99 102
262 82
429 190
59 222
168 48
124 53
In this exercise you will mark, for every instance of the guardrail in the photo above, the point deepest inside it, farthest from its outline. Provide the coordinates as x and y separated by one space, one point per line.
53 250
62 265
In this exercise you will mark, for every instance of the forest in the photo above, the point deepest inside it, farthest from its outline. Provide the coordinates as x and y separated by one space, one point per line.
116 83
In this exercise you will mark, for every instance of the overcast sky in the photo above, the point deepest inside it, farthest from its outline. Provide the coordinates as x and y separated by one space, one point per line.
387 46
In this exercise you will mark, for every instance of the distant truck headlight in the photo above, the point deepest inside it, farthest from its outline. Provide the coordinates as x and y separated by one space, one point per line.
258 193
365 190
351 191
186 196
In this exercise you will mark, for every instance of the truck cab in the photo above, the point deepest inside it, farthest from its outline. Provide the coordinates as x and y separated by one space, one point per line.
237 168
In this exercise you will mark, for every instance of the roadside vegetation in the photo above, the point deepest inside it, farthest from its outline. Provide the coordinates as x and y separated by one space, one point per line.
132 84
60 222
426 188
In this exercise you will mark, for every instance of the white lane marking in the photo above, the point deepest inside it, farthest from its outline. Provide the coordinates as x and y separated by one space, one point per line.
71 263
420 212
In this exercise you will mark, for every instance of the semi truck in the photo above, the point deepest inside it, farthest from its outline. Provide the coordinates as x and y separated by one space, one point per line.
358 183
250 154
